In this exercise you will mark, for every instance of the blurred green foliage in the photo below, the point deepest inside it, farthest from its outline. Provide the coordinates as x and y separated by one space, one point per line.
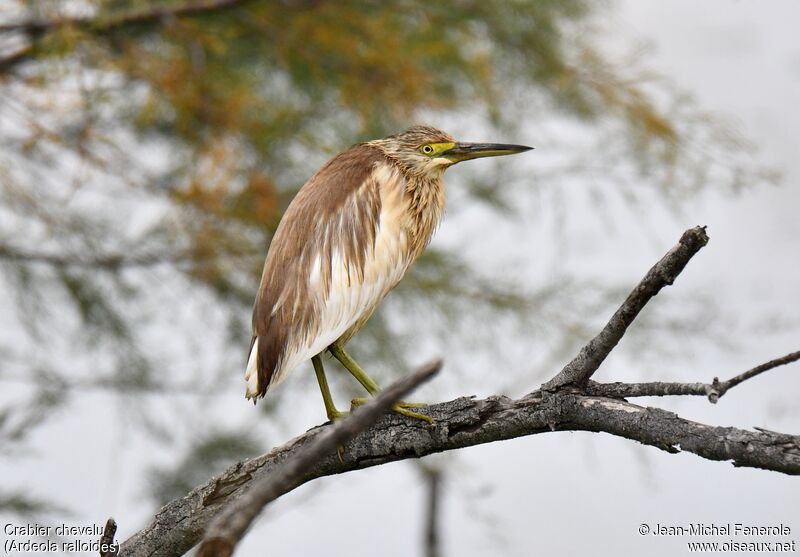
155 143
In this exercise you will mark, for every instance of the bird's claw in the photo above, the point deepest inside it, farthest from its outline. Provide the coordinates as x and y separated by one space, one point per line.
336 415
400 408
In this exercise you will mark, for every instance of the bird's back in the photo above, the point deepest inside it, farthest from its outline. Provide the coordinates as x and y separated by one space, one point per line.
345 241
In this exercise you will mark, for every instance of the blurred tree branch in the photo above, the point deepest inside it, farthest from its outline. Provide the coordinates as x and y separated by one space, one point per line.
463 422
433 484
33 29
107 261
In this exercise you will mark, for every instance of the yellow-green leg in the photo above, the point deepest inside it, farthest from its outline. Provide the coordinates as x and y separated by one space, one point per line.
355 370
370 385
330 408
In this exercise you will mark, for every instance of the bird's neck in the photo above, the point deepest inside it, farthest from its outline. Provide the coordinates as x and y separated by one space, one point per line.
424 198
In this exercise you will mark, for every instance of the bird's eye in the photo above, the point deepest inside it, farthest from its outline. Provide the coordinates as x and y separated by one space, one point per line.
427 149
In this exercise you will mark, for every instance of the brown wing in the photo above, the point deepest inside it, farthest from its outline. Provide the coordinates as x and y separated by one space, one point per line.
338 208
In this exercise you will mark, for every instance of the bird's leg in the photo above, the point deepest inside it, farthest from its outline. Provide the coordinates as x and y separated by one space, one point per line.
355 370
370 385
330 408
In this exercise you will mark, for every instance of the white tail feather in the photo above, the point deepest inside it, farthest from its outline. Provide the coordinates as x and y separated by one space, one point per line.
251 373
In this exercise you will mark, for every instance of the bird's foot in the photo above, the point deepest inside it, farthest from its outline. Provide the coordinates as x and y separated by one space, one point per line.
405 404
335 414
400 408
403 408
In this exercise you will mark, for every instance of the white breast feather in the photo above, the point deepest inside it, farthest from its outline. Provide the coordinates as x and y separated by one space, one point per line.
348 298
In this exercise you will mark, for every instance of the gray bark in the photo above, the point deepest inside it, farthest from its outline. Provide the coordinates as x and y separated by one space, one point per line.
464 422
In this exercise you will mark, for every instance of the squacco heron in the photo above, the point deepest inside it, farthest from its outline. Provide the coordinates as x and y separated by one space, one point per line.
347 239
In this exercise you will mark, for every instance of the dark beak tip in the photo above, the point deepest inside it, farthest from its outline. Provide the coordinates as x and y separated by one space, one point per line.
518 148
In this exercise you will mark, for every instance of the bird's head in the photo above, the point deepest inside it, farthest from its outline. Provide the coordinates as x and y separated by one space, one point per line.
427 152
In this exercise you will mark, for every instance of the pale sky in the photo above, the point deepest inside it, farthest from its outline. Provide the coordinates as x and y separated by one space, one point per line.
565 493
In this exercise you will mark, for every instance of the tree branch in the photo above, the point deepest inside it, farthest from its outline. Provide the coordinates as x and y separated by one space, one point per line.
229 527
714 390
108 261
9 62
34 29
733 381
662 274
464 422
106 544
433 481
